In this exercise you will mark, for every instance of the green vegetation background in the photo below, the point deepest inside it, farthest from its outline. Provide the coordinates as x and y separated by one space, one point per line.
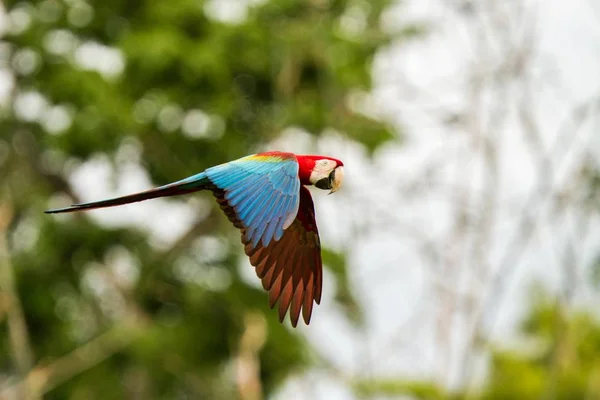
287 64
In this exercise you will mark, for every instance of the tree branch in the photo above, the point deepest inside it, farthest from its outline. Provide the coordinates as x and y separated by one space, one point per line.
44 378
17 328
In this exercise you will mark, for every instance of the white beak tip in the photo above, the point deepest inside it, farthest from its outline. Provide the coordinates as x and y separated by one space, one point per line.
338 179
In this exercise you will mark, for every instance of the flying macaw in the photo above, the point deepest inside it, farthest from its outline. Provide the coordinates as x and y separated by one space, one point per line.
264 195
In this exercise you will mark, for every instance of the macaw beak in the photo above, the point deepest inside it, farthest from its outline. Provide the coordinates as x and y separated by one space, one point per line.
335 178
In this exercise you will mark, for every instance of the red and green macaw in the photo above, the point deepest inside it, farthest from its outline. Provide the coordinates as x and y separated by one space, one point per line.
264 195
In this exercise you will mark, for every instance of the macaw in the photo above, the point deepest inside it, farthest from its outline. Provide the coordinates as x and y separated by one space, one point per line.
264 195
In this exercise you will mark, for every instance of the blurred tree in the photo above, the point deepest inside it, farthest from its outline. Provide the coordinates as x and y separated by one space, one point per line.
181 85
559 359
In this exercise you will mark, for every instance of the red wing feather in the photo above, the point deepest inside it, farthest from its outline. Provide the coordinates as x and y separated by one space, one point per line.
290 269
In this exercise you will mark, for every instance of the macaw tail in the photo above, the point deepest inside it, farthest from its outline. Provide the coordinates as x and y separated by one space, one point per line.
188 185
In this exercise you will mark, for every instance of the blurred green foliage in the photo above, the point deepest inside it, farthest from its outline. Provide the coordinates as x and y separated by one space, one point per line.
559 359
562 360
188 91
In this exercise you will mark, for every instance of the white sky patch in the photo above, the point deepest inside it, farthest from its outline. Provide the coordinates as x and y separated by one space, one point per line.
195 124
108 61
571 43
57 119
292 139
30 106
26 61
18 21
229 11
60 42
7 84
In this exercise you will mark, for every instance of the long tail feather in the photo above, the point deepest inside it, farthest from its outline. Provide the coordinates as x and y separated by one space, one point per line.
192 184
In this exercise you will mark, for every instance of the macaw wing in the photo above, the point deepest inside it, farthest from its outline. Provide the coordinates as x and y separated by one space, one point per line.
263 190
290 268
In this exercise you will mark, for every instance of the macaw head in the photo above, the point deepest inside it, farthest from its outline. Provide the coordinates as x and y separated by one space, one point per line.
323 172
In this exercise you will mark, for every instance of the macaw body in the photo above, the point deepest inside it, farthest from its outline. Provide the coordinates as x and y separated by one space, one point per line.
264 195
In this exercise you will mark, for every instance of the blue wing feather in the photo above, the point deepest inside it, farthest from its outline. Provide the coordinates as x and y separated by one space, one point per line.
263 189
271 207
252 202
249 192
270 230
264 192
